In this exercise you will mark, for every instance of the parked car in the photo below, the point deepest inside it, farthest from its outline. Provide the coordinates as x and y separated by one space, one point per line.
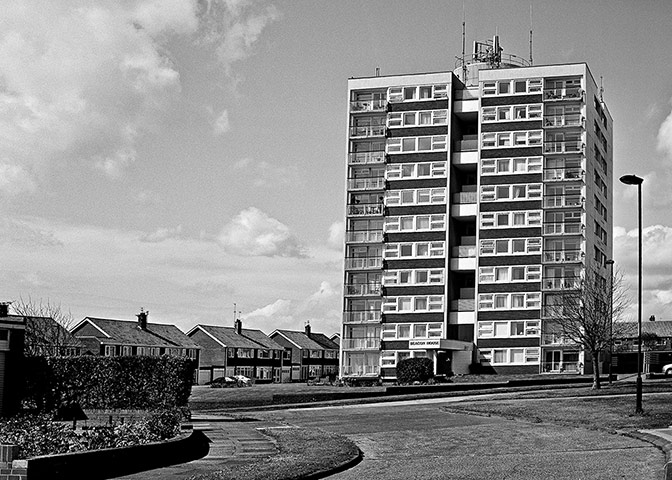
242 380
667 369
221 382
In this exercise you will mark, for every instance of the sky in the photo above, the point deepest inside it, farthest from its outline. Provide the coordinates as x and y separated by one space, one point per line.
186 155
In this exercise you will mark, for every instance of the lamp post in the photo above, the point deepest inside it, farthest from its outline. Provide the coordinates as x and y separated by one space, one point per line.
635 180
610 264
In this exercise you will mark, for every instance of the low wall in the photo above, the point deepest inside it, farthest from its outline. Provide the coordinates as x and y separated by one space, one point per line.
11 469
116 462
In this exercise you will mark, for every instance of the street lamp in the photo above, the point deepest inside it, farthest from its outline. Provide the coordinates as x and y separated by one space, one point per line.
610 264
635 180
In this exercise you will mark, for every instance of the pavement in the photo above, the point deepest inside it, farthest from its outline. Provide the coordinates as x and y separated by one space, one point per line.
232 442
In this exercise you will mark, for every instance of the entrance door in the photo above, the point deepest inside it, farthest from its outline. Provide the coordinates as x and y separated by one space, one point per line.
552 361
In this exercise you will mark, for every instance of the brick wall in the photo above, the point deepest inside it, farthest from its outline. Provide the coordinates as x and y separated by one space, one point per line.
11 469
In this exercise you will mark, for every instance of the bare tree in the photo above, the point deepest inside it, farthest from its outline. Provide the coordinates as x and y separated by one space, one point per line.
587 312
47 327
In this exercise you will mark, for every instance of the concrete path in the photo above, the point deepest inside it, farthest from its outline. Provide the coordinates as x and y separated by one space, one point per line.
232 442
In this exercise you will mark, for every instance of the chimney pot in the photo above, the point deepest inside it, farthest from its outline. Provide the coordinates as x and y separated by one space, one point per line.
238 326
142 319
308 329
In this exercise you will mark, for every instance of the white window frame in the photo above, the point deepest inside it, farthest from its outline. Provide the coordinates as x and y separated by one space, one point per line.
488 329
505 192
433 303
509 113
434 222
532 273
525 138
399 119
503 301
530 355
530 218
492 87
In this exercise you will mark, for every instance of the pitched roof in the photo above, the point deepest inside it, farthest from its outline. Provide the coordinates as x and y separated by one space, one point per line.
661 328
262 339
325 341
300 339
129 333
228 337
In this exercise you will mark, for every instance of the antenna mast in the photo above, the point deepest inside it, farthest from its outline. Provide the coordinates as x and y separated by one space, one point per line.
531 34
464 34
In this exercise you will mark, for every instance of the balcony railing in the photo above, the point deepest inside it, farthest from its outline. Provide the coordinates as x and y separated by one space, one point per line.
560 283
364 236
464 251
360 343
362 289
367 131
360 370
374 183
564 174
368 106
570 146
571 93
463 305
465 197
555 339
563 228
561 256
365 210
366 316
556 201
571 120
366 158
466 145
363 263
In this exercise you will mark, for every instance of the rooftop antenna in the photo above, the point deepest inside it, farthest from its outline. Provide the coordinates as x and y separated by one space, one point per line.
377 71
531 63
234 312
601 91
464 35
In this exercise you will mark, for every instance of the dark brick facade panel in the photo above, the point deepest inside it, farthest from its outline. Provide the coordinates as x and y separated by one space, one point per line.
510 315
424 105
510 100
412 317
416 210
514 369
511 206
418 157
415 263
418 131
509 342
394 345
511 126
499 260
414 290
462 332
511 179
511 152
509 287
420 183
486 233
416 237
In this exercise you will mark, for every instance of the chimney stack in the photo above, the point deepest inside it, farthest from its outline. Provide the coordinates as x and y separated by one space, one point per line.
238 326
308 329
142 319
4 308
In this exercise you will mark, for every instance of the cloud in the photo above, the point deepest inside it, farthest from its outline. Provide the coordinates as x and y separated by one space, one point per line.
254 233
665 136
336 235
162 234
221 124
266 174
15 180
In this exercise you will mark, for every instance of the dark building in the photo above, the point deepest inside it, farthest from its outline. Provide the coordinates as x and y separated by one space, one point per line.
310 355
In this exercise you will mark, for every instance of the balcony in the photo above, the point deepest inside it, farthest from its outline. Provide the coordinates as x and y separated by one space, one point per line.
463 305
561 283
571 120
465 197
571 146
564 228
559 201
360 343
563 256
364 236
366 158
367 131
367 316
558 94
372 183
564 174
469 143
464 251
368 106
373 209
360 370
362 289
363 263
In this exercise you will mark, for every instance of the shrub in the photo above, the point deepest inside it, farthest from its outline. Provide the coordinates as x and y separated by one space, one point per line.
147 383
411 370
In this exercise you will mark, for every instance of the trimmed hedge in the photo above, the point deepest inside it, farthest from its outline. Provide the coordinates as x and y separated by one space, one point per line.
144 383
419 369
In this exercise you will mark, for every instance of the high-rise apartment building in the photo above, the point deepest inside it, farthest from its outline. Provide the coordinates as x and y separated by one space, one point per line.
474 197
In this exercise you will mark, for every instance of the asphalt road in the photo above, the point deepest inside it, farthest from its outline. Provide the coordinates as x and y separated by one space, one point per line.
419 440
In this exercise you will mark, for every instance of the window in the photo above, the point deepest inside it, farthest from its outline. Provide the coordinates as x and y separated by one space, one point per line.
517 165
412 223
508 139
417 144
402 331
415 93
515 87
510 219
504 301
418 118
421 303
315 353
413 277
398 171
508 192
510 356
263 353
424 196
244 353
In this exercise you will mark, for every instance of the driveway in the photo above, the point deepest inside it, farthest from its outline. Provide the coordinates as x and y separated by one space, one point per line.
420 440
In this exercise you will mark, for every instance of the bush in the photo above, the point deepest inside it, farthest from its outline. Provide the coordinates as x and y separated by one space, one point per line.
411 370
147 383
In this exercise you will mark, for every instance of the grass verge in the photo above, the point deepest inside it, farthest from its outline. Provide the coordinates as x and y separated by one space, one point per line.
301 454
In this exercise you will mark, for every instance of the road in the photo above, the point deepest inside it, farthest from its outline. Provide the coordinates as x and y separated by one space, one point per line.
420 440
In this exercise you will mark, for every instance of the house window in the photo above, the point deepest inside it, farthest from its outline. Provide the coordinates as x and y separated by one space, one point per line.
263 353
316 354
110 350
245 353
510 356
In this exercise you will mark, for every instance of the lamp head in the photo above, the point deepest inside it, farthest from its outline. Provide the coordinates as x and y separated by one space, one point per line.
631 180
609 262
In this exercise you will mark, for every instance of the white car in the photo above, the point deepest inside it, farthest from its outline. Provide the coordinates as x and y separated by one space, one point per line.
667 369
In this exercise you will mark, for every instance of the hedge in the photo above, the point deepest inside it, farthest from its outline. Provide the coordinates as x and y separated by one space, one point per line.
144 383
419 369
